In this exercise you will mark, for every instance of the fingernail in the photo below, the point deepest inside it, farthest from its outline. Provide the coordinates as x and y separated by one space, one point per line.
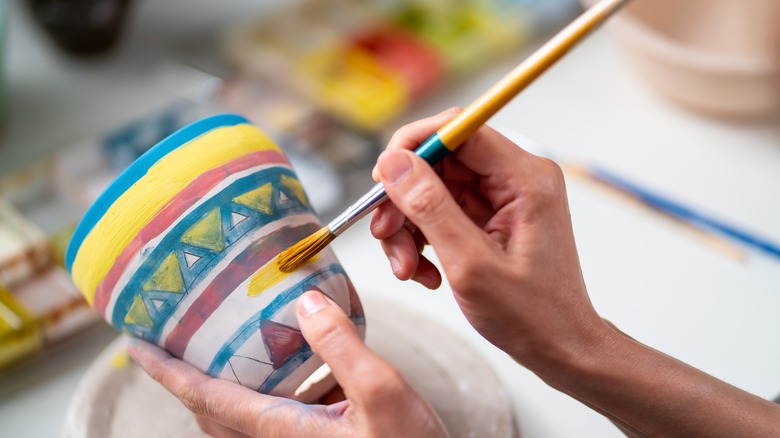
426 280
311 303
393 166
395 265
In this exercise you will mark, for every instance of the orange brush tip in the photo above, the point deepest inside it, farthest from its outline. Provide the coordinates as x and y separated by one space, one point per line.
295 256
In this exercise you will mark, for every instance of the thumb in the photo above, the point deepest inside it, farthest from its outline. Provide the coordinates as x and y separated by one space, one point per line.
334 338
421 196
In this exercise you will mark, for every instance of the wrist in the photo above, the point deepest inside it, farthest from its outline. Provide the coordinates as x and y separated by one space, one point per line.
565 365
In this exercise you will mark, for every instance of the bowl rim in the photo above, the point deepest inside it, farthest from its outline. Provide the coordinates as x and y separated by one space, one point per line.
136 170
660 45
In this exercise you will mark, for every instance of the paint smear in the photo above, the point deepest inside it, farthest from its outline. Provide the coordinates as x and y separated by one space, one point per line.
269 275
120 360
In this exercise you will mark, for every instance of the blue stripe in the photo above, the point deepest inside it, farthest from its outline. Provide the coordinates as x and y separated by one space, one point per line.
137 170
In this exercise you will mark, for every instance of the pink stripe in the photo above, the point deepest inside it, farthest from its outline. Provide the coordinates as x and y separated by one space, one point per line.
173 210
242 267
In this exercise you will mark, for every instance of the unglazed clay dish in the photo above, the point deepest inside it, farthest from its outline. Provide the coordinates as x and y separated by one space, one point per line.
180 251
116 399
720 57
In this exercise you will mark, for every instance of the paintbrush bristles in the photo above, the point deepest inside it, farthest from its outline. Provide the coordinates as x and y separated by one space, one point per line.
295 256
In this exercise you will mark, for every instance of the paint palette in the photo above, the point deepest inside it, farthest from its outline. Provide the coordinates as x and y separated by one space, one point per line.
365 63
39 306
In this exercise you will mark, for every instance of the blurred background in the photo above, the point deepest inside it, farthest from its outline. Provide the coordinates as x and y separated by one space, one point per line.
93 84
87 86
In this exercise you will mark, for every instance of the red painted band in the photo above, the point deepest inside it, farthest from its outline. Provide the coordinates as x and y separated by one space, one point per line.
173 210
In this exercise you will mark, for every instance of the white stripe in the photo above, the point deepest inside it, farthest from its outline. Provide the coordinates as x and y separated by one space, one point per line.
238 308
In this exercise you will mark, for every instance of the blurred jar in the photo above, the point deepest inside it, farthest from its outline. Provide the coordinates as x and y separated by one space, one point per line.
3 38
721 57
82 27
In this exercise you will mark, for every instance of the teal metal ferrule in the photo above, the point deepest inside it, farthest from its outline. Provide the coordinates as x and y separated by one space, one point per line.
433 150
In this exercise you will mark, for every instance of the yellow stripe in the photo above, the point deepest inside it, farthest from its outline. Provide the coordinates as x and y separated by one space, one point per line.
269 275
144 199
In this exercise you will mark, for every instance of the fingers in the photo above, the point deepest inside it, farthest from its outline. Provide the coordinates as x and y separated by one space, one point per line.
419 193
362 374
414 134
402 253
427 273
214 429
230 404
486 152
386 221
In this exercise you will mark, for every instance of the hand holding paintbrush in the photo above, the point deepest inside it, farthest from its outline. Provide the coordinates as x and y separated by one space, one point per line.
454 133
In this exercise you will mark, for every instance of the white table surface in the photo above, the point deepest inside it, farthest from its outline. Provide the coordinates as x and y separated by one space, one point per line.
646 274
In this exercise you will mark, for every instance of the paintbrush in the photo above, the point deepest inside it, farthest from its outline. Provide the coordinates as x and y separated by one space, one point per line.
683 213
455 132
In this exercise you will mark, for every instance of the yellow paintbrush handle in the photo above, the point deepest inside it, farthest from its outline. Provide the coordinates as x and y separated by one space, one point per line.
454 133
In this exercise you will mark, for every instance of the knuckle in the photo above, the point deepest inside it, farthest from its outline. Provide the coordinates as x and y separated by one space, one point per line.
331 332
383 383
554 172
192 398
405 131
553 177
425 201
453 111
549 186
467 275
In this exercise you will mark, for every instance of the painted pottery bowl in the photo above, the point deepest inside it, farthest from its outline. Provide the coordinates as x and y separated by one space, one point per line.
180 251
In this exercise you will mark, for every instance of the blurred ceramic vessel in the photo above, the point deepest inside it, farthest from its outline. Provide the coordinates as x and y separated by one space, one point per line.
180 251
720 57
82 27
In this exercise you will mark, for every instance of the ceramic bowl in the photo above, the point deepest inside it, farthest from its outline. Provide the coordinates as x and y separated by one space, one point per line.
180 251
720 57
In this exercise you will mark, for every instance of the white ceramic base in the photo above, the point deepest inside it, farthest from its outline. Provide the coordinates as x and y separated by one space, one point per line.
119 402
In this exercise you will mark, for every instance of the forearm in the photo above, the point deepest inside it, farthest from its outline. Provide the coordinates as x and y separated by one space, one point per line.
652 394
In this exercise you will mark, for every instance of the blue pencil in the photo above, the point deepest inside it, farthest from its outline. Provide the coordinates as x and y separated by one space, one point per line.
682 212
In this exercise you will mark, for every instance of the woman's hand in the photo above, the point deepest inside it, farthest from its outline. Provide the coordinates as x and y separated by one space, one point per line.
498 219
377 396
499 222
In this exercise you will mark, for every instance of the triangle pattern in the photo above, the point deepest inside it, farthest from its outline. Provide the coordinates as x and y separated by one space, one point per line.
295 187
236 218
283 342
258 199
206 233
248 371
167 277
283 197
355 309
191 259
157 304
138 314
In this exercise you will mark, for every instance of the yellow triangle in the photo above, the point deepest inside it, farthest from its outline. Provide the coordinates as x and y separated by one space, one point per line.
167 278
258 199
138 315
296 187
206 233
